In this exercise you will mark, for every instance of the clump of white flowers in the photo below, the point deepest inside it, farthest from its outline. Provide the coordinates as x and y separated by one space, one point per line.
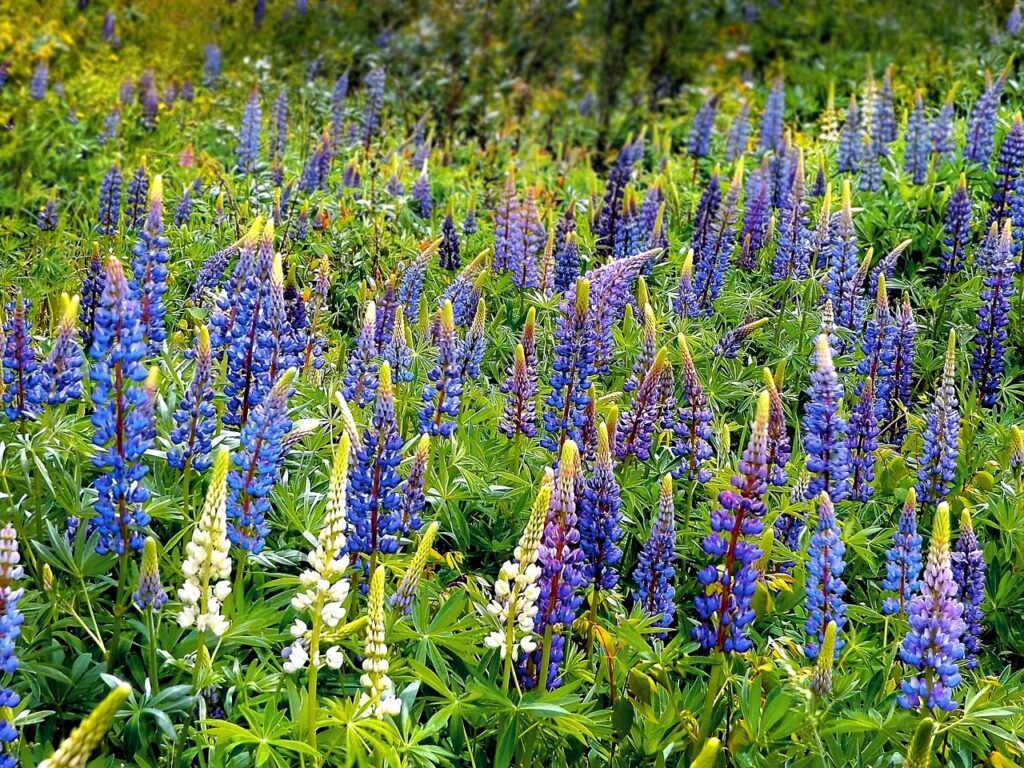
516 591
207 564
378 699
324 586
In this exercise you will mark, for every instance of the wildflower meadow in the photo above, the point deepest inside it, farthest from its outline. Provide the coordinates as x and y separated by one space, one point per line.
471 383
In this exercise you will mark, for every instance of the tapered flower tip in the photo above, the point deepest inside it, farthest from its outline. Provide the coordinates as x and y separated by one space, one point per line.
920 753
882 293
384 379
684 350
220 464
149 555
824 351
962 184
951 347
666 485
828 645
339 467
847 198
761 413
911 500
75 750
152 379
708 756
520 358
643 295
649 318
423 446
582 295
115 270
480 317
603 446
156 190
1007 236
660 360
940 526
1016 440
448 316
570 458
370 314
966 526
253 234
531 319
70 304
688 264
277 270
285 381
737 176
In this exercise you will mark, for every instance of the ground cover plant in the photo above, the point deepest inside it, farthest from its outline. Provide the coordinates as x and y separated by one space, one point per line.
491 384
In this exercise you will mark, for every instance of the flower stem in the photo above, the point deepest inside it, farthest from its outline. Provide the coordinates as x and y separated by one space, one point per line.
151 625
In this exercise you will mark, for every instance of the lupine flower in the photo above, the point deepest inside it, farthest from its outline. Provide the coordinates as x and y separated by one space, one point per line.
871 166
712 263
863 443
988 357
122 418
397 352
779 448
278 132
842 286
957 229
421 194
248 148
149 100
936 467
150 592
933 644
323 586
531 240
572 369
698 142
520 388
825 587
943 143
471 349
739 131
829 120
895 409
515 590
338 96
257 465
126 91
62 370
11 620
92 290
195 416
561 573
728 346
685 303
374 84
24 384
75 750
361 379
692 425
448 252
850 140
506 227
981 127
825 431
1008 170
441 396
968 566
903 560
757 217
707 211
150 268
465 291
374 501
413 498
770 137
403 597
600 519
917 146
821 679
724 605
138 196
111 126
608 227
884 119
40 80
820 246
1016 457
378 697
252 338
411 287
110 201
655 570
183 211
648 349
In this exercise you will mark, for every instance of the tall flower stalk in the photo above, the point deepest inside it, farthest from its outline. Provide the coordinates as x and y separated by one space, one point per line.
903 561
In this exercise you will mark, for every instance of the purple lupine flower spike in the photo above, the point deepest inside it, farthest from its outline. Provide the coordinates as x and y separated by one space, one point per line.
711 264
957 229
150 593
692 425
443 392
729 345
739 132
138 195
639 423
903 560
110 201
23 390
608 229
936 467
988 357
572 369
981 127
943 142
863 442
248 148
724 604
413 498
149 265
917 146
448 252
471 349
933 645
698 142
361 379
685 301
779 448
648 349
825 587
1008 170
968 565
897 405
374 84
757 216
600 519
62 369
850 140
655 570
770 137
842 285
195 419
825 431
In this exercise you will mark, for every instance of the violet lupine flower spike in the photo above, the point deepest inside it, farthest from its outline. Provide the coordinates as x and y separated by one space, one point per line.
149 266
11 619
413 498
943 142
1008 170
196 417
863 442
561 576
443 392
936 467
850 140
933 645
685 303
792 257
122 418
648 348
639 424
957 229
779 448
655 571
897 405
248 148
988 358
825 587
724 605
691 429
520 390
842 286
981 127
62 369
573 367
110 201
731 342
903 560
713 262
470 353
770 137
23 384
917 144
601 520
361 379
825 431
969 574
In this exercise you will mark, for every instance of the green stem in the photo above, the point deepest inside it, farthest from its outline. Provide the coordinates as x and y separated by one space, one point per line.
119 610
151 624
545 659
312 710
200 644
715 684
